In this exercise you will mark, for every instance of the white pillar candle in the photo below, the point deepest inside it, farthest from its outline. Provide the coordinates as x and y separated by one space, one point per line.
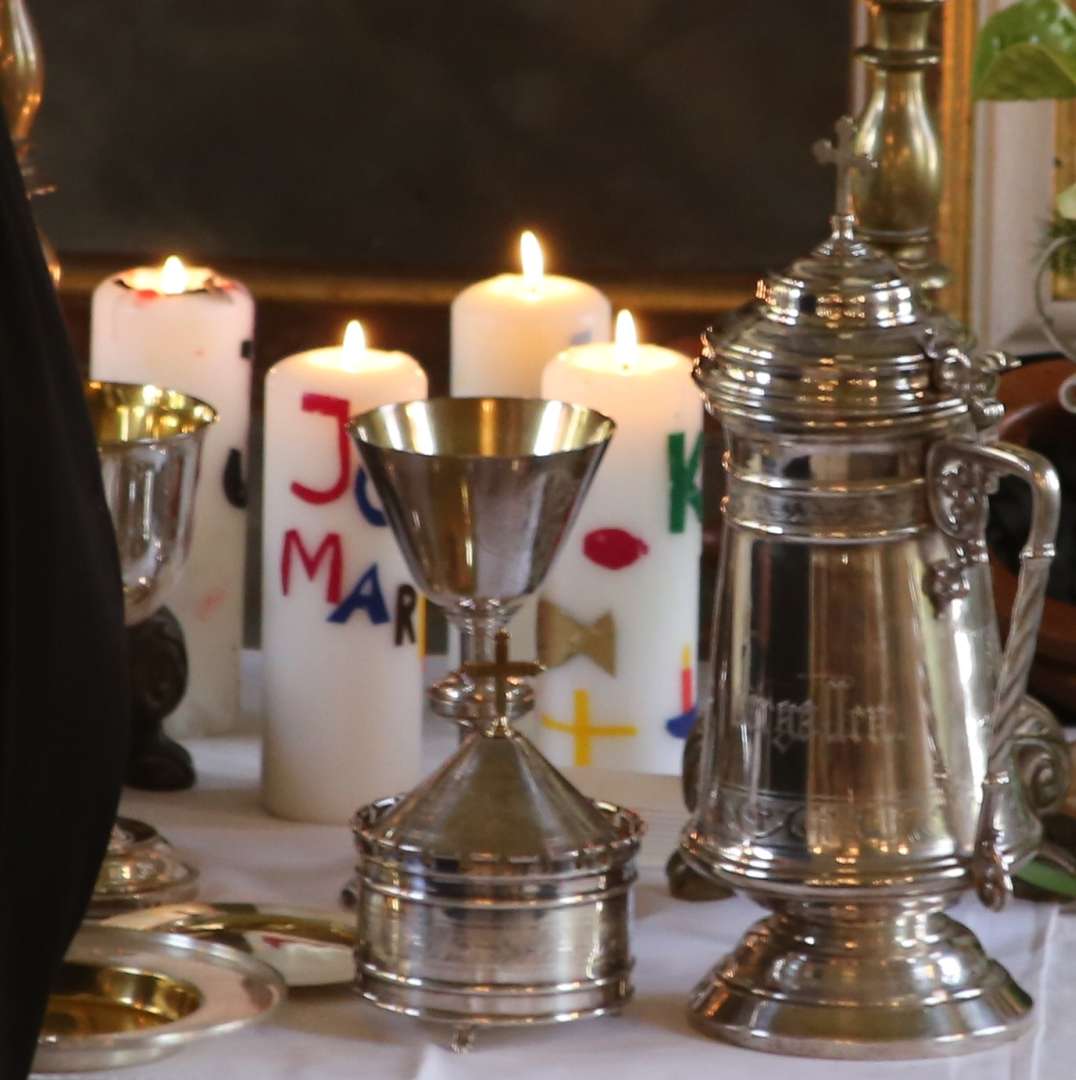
341 619
506 329
189 329
618 615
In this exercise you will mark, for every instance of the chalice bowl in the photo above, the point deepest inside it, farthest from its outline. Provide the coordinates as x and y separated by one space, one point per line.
150 442
494 893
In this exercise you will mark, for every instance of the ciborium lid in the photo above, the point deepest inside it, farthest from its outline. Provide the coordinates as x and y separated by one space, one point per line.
497 807
838 338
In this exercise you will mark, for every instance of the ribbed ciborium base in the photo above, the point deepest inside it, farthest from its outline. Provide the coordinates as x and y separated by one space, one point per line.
487 1005
915 985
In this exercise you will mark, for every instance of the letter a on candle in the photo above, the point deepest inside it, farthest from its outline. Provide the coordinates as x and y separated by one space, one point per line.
366 596
337 408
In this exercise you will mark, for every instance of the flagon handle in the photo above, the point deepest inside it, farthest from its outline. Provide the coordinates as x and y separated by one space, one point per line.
960 474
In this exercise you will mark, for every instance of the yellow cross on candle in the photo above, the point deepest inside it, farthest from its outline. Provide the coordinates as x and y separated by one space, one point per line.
582 730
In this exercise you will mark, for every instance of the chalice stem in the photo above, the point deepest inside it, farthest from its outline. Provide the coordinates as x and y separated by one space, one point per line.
478 645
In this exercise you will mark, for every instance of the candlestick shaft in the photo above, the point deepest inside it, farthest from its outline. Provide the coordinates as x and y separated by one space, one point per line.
22 81
897 203
22 75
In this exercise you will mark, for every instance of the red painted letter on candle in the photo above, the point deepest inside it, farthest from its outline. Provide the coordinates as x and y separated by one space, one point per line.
293 543
337 408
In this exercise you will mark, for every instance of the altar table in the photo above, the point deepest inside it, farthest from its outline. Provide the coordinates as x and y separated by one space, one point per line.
244 854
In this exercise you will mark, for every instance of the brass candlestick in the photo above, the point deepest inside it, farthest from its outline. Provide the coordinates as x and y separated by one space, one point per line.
896 204
22 82
22 77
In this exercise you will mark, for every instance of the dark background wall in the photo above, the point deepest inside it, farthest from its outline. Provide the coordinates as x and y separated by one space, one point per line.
660 138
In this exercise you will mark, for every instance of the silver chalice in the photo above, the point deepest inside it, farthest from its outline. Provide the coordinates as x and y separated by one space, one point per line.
494 893
150 441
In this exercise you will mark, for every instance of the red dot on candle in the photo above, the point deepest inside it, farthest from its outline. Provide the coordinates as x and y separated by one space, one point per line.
614 549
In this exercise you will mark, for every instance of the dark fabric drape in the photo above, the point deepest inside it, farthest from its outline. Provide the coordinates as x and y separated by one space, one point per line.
63 681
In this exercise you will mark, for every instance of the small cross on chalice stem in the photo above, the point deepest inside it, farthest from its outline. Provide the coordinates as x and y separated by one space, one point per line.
500 671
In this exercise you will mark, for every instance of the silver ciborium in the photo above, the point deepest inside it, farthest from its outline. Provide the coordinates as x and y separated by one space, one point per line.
857 766
494 893
150 441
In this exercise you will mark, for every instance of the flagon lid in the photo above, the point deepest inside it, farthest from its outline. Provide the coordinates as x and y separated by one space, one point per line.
839 338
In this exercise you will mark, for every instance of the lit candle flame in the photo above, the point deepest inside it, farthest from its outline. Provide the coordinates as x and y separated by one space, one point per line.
173 276
625 339
530 256
354 340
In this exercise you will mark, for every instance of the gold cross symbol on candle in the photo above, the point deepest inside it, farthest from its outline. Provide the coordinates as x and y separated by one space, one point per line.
583 731
501 670
842 154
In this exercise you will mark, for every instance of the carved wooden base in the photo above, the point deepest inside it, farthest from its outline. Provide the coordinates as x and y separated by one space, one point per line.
158 682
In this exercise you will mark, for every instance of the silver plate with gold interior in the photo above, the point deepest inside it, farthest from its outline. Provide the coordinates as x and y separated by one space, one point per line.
307 947
125 997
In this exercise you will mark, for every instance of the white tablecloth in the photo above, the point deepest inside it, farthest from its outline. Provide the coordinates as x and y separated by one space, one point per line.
246 855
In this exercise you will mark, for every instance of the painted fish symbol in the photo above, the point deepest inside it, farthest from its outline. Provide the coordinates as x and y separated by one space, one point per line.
614 549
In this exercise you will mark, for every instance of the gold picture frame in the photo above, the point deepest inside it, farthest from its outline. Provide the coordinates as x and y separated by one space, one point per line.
956 130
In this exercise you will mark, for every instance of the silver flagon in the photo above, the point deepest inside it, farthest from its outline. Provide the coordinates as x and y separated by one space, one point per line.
856 767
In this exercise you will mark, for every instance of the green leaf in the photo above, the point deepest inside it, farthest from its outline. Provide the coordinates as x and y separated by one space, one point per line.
1025 52
1028 73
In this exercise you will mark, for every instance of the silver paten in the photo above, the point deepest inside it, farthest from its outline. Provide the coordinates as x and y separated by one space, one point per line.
494 893
856 771
126 997
306 947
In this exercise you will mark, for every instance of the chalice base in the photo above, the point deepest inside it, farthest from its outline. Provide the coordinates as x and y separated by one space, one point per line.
140 870
915 985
